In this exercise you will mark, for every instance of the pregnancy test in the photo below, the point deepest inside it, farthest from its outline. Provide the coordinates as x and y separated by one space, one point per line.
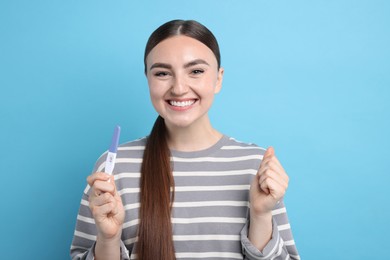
111 155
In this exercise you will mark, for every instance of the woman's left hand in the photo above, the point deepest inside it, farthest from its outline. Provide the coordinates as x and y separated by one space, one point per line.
269 185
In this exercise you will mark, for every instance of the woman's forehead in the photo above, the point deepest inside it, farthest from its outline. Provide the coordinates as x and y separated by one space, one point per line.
180 49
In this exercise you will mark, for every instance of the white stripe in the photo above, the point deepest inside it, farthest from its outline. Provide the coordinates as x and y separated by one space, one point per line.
128 190
184 174
193 188
81 255
192 221
212 188
283 227
179 159
131 223
85 203
278 211
120 160
297 257
217 159
127 175
87 189
274 248
207 237
197 204
289 242
191 173
209 255
207 220
132 206
215 173
237 141
101 166
131 148
84 235
193 238
236 147
279 249
128 160
130 241
210 204
85 219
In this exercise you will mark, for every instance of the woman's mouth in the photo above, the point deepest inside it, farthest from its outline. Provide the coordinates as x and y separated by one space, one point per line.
181 104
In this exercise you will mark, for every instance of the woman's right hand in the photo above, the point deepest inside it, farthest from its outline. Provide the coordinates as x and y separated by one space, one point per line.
106 206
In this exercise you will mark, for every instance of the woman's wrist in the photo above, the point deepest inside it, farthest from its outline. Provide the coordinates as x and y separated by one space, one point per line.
107 248
261 218
108 241
260 229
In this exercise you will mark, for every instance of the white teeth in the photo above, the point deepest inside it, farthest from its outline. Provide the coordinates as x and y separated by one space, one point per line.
181 103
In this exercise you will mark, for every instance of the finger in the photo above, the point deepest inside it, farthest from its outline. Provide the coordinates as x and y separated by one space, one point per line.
264 187
267 155
112 178
276 161
270 155
269 158
272 165
281 178
104 198
104 210
271 187
269 152
273 170
103 205
275 177
97 176
272 162
104 186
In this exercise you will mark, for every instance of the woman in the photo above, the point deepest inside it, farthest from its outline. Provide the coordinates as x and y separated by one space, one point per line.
185 191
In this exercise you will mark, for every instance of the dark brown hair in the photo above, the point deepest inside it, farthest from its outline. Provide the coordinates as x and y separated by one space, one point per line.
188 28
157 182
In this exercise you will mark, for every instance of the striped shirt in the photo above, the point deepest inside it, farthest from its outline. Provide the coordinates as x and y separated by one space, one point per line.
210 211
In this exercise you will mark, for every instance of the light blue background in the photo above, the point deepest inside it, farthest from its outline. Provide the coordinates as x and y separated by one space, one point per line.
311 78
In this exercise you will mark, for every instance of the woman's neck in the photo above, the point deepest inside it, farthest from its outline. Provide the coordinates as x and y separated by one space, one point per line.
192 138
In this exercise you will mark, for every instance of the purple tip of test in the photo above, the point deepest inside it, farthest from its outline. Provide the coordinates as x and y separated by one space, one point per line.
115 140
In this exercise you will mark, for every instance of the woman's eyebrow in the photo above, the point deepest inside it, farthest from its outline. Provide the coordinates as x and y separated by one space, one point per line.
195 62
187 65
160 65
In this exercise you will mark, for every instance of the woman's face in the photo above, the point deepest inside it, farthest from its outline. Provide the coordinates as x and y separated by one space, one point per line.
183 77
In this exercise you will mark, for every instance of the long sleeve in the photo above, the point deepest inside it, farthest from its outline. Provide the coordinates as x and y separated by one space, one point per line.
84 239
281 245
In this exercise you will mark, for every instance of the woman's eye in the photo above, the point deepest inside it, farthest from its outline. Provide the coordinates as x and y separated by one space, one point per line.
197 72
161 74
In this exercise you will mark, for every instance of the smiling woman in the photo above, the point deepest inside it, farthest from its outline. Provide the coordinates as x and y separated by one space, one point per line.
186 190
183 78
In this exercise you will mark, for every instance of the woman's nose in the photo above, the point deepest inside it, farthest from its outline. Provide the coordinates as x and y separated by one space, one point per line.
179 87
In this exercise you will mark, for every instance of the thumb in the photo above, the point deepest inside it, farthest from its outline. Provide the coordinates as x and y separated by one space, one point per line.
269 152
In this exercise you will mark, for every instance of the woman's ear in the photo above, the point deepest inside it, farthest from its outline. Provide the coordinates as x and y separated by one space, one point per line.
218 86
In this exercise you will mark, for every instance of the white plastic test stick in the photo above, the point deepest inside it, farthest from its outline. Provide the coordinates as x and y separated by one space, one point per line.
111 155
